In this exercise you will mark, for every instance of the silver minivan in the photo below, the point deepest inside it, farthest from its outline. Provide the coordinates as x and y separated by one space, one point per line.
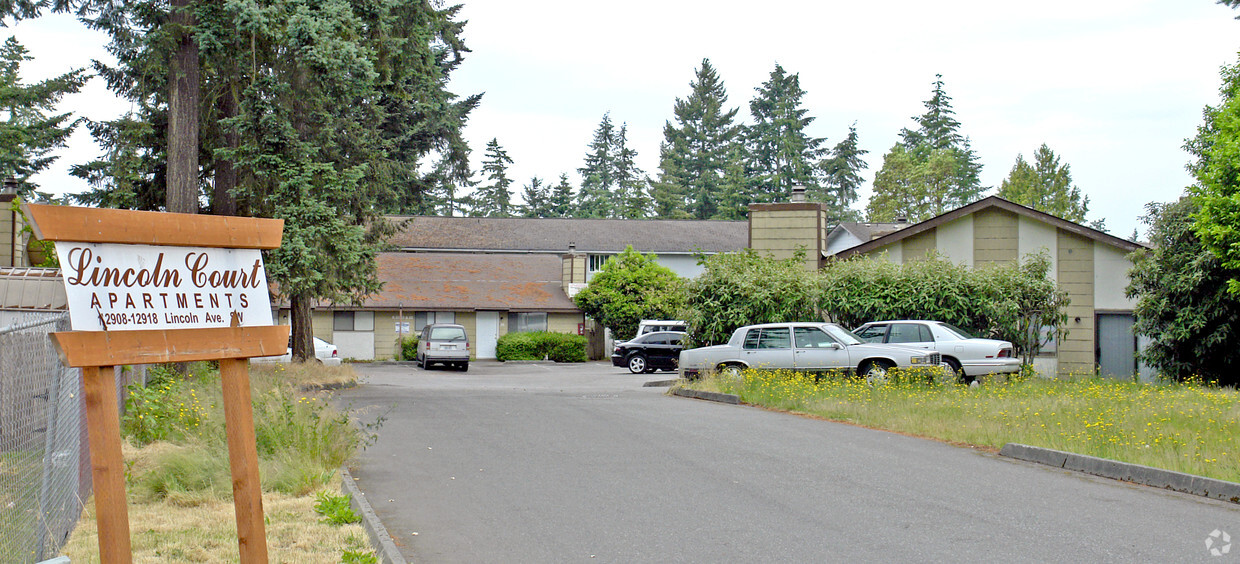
445 343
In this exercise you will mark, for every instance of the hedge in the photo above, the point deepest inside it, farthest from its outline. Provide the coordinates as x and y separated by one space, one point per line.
409 348
540 345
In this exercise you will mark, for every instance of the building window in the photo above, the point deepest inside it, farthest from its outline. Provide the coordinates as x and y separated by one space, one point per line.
527 321
353 321
597 261
423 318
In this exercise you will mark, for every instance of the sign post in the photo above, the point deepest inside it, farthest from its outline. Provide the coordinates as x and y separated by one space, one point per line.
153 287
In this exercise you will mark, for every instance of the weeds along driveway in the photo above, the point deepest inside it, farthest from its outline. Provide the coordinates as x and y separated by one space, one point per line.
549 463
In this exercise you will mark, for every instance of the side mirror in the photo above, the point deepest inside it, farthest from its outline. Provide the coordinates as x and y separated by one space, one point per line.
835 346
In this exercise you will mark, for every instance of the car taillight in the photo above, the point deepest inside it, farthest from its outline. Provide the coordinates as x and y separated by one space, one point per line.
335 353
1005 353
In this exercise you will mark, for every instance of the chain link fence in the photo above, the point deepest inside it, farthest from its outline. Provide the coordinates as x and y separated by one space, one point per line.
44 453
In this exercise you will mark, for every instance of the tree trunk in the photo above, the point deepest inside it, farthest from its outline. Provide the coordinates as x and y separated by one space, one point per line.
182 189
223 201
303 329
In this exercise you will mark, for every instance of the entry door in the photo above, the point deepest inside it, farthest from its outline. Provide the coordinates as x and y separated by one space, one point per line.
1117 346
488 333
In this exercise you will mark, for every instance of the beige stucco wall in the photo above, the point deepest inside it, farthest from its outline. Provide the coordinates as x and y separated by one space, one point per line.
995 233
1111 267
894 253
955 240
1036 236
779 233
1076 276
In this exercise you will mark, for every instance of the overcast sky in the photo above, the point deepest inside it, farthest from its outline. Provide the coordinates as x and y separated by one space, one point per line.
1113 87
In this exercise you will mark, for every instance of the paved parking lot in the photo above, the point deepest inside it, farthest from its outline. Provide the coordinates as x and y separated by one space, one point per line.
559 463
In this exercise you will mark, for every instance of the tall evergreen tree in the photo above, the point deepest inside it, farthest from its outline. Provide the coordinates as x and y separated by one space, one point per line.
842 176
560 203
781 154
1045 185
494 198
1217 171
537 198
598 174
667 193
29 130
946 169
631 199
696 150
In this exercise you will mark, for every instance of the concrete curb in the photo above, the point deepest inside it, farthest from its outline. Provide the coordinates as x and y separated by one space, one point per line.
385 549
1136 473
661 383
708 396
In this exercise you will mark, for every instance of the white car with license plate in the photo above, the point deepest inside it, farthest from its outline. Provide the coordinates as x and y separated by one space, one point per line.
968 356
324 352
810 347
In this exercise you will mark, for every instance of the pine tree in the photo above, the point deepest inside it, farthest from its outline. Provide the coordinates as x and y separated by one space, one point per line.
668 195
781 154
946 171
631 200
1045 186
696 150
598 174
842 177
494 199
28 133
537 198
560 203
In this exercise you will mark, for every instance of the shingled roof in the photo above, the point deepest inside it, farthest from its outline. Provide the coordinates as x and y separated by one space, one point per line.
477 281
555 235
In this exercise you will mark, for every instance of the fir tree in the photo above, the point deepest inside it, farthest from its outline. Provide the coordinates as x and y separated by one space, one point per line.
598 174
631 200
781 154
537 198
28 133
842 177
494 199
1045 186
945 170
560 203
696 150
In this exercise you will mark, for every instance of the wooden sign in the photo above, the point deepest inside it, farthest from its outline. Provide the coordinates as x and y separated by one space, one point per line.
151 287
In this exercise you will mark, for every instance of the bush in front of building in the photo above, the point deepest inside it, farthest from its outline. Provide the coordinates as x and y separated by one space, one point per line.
409 348
541 345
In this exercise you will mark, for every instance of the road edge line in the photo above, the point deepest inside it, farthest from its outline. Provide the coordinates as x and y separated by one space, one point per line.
382 542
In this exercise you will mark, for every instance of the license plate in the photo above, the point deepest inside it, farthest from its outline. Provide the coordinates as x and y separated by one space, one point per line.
447 347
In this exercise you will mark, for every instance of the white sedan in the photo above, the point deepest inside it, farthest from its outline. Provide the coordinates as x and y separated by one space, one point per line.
324 352
970 357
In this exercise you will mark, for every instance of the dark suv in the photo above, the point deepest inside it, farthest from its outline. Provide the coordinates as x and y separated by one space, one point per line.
649 352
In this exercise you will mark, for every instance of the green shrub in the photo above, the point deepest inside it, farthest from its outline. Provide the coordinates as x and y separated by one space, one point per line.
409 348
539 345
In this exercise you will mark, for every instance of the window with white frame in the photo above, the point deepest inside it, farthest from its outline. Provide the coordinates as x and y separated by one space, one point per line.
597 261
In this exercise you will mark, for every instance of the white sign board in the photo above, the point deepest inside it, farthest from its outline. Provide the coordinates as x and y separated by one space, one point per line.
116 287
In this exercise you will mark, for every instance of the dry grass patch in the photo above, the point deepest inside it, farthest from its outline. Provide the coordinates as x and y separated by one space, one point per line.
303 376
207 532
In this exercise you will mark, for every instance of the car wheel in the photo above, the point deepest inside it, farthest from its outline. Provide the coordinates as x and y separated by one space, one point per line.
637 363
875 371
957 370
464 366
731 371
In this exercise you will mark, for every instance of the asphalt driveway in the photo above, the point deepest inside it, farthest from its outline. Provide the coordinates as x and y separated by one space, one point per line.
552 463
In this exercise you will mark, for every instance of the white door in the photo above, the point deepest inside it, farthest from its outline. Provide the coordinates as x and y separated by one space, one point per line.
488 333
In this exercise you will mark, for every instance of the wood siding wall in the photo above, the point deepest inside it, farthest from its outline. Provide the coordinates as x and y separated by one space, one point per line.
917 246
995 237
1075 272
780 232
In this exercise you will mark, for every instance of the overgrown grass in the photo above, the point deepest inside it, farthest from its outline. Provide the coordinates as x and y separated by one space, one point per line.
177 467
1188 427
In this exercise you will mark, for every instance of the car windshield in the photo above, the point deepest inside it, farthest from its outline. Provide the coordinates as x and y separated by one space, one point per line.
447 334
842 335
958 332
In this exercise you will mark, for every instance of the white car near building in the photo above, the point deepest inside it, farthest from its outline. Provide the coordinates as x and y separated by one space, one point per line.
811 347
324 352
970 357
